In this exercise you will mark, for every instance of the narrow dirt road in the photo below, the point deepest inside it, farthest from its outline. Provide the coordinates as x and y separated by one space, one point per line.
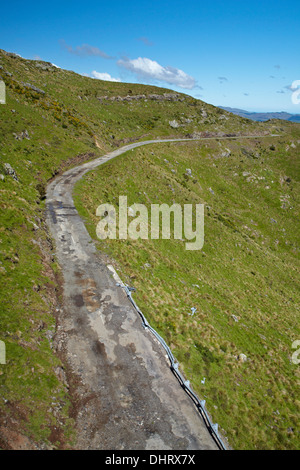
126 394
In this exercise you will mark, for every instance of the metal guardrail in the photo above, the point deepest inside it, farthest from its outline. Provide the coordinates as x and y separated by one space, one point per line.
174 365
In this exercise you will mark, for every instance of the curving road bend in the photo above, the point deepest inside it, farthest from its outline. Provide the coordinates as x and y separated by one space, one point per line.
126 394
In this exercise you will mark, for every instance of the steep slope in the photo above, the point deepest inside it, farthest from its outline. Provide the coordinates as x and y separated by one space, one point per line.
54 119
229 311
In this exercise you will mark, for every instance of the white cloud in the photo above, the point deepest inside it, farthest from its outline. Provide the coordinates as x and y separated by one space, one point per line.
151 69
104 76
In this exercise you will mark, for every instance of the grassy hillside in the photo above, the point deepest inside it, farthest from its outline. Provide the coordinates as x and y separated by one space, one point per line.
54 119
236 348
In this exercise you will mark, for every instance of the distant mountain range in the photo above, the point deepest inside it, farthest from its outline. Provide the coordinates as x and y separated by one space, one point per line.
263 116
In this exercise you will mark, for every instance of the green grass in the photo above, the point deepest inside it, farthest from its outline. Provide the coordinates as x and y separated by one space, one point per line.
32 397
248 271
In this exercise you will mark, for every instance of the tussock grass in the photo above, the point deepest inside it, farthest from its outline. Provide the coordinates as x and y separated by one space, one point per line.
244 283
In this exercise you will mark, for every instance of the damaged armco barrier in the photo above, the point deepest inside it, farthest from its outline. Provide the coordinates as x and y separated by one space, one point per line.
200 404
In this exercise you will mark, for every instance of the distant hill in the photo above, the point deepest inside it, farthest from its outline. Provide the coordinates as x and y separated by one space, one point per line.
263 116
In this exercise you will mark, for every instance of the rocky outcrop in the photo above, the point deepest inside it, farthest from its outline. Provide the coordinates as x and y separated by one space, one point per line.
152 96
21 135
10 171
33 87
174 124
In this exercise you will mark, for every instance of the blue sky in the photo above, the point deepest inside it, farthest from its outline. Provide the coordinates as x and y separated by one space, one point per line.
230 53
